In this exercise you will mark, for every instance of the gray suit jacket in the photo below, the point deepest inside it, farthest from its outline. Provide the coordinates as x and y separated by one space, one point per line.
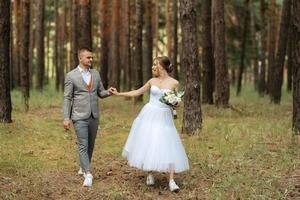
79 101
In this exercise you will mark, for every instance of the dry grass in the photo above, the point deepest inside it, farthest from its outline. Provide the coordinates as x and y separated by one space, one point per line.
242 153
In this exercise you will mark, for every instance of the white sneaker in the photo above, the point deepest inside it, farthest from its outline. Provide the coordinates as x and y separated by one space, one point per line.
173 186
80 172
88 180
150 180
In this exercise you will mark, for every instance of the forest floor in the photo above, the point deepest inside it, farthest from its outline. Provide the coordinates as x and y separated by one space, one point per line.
245 152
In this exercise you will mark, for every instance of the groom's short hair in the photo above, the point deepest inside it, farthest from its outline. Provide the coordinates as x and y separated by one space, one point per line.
82 49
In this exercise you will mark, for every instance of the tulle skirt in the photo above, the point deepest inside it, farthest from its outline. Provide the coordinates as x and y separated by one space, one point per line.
153 143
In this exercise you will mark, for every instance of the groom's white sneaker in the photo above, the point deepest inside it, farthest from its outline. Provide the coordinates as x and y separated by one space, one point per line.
80 172
150 180
88 180
173 186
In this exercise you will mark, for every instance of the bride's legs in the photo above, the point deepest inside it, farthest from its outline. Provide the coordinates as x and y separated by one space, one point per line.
150 179
172 185
171 175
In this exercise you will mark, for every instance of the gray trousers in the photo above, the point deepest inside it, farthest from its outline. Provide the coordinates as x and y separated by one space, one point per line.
86 131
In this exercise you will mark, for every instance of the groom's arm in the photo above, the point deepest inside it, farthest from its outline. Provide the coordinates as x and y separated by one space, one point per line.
101 92
68 97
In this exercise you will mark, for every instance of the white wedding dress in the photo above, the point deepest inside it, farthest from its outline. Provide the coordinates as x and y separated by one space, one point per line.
153 143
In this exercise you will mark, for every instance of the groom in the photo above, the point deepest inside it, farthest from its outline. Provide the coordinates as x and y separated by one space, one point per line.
83 86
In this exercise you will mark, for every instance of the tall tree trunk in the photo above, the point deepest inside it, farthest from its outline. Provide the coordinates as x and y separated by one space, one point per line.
295 26
243 50
262 74
17 51
171 33
104 49
175 39
222 82
32 39
155 27
207 54
254 45
272 46
5 98
192 116
127 49
40 43
115 78
138 54
85 27
47 72
74 34
25 52
11 48
275 92
62 47
148 38
290 60
168 19
56 44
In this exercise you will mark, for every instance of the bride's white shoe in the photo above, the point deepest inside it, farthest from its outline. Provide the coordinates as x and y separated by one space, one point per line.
150 180
173 186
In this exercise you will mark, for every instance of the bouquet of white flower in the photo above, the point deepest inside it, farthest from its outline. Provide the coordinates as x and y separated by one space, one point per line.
172 98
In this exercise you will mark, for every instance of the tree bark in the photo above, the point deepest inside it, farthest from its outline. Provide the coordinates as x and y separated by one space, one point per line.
56 44
138 59
243 50
116 70
85 27
47 70
17 51
74 34
175 39
148 38
32 40
272 46
222 82
275 92
5 98
262 74
104 49
254 46
62 47
290 60
25 4
207 54
192 115
295 26
40 33
155 27
168 19
127 49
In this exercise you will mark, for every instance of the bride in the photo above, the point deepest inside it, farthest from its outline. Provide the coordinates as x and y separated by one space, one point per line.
153 143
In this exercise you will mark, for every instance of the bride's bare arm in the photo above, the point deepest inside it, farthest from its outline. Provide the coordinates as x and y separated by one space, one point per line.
134 93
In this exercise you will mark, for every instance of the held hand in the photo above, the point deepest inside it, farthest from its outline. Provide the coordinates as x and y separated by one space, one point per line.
110 90
176 106
114 91
66 124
